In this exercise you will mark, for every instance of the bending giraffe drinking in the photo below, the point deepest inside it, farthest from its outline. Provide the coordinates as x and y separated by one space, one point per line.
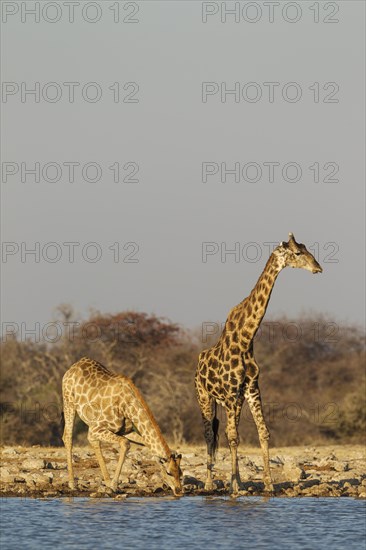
111 405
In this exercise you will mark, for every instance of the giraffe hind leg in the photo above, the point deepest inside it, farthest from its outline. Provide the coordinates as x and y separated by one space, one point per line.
68 418
255 405
211 427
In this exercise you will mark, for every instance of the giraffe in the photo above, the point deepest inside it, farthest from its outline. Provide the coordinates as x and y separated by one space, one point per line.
228 373
112 407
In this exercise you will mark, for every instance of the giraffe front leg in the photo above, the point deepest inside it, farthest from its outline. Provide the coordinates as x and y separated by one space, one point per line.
233 440
95 436
69 416
255 405
95 444
124 445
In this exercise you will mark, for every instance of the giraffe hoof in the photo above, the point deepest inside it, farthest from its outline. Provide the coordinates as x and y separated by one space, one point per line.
268 488
235 488
106 490
209 486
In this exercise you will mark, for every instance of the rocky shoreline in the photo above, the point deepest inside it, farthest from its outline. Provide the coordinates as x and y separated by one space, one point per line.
41 472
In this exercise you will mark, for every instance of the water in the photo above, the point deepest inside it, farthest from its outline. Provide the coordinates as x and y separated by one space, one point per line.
189 522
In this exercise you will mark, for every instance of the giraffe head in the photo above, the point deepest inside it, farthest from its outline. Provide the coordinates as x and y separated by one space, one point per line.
293 254
173 474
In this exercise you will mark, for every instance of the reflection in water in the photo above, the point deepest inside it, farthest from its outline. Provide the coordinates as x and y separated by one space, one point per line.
188 522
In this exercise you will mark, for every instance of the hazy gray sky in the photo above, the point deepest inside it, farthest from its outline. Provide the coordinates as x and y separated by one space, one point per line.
153 97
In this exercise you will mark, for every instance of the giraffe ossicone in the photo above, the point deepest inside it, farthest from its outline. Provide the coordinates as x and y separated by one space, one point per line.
228 373
112 407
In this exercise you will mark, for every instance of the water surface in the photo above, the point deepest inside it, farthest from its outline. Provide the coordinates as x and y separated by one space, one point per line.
189 522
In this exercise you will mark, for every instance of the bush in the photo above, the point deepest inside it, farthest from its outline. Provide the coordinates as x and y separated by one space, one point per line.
312 378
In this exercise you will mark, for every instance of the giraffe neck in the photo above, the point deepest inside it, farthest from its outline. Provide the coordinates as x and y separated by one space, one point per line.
247 315
144 421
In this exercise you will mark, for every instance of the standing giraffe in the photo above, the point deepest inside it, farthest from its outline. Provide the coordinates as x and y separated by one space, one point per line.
112 407
228 373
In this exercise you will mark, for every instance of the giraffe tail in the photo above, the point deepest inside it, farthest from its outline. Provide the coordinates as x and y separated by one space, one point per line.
62 422
215 429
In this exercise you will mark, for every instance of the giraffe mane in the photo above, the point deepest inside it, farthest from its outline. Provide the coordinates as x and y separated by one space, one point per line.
138 395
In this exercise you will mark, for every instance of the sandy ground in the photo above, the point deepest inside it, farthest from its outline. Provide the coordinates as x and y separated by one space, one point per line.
334 471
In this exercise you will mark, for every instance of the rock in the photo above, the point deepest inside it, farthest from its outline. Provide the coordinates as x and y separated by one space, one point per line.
325 489
283 486
83 485
105 490
189 488
350 482
38 479
293 472
343 467
277 460
309 483
55 465
189 455
331 457
351 491
310 491
245 461
328 463
19 479
218 484
296 491
6 476
120 497
188 473
247 473
59 484
155 478
33 464
190 480
10 452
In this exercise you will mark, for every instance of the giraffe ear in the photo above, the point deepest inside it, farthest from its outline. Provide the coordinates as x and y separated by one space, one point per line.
291 241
